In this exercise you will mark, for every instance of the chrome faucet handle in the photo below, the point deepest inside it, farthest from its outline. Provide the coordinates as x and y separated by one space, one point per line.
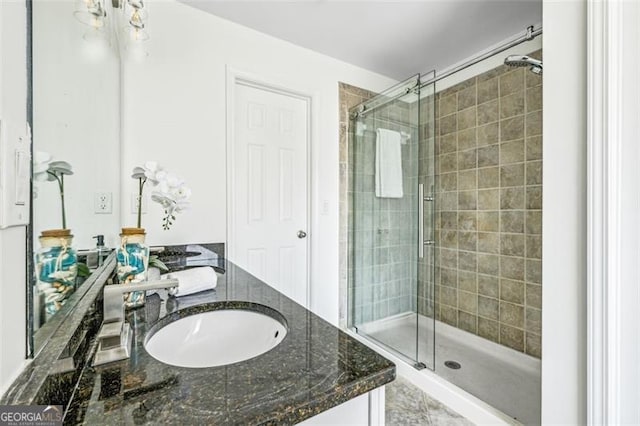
113 300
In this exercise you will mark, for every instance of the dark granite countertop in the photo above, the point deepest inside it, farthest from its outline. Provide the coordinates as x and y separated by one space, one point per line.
316 367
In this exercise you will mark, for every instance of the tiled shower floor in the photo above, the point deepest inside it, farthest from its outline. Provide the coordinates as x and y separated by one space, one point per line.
505 379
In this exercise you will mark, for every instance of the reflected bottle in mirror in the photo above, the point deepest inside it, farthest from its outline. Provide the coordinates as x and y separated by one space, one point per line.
133 263
56 269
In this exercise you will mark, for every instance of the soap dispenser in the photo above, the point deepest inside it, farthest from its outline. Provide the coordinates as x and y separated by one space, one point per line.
101 250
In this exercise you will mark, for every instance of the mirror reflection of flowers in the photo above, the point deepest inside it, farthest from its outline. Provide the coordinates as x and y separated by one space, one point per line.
170 191
46 170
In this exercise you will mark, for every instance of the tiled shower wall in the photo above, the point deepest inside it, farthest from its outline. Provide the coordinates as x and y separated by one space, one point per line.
383 257
489 207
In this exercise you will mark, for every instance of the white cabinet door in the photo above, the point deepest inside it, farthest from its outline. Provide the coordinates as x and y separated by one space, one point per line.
269 199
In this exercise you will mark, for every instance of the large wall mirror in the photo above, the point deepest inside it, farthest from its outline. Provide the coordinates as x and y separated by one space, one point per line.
76 151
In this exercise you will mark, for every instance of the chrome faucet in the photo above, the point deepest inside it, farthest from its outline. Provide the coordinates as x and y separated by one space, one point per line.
115 335
113 300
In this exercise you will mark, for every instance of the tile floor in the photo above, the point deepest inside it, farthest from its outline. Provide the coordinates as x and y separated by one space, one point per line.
407 405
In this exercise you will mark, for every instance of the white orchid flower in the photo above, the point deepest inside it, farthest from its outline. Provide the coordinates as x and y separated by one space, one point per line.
41 162
138 173
60 168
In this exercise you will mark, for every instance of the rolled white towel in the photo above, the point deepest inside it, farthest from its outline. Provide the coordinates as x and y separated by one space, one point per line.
193 280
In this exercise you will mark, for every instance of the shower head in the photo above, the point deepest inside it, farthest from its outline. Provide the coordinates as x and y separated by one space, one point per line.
534 65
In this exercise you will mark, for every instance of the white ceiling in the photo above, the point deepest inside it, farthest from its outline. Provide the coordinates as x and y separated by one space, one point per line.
393 38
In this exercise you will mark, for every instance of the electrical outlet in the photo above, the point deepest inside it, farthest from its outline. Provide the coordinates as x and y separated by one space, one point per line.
103 203
134 203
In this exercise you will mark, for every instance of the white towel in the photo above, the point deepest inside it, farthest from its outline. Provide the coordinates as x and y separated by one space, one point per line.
388 164
193 280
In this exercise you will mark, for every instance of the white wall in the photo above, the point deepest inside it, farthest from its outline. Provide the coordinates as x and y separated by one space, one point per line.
13 111
76 88
564 217
174 112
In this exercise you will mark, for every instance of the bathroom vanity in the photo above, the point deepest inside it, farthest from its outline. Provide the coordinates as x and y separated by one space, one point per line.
317 374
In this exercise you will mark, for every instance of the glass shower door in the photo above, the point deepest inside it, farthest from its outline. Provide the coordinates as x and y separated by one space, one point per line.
386 297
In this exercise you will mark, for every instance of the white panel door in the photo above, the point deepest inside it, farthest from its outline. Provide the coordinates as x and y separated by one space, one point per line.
269 188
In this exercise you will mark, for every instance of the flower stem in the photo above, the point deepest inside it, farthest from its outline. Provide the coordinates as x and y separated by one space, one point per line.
60 180
141 183
64 215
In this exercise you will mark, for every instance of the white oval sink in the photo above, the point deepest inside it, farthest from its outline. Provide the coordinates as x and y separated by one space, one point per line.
215 338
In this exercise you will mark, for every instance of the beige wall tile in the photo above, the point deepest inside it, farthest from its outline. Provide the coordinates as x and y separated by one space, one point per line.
512 291
487 112
534 246
512 152
468 240
487 90
488 329
488 177
448 181
533 321
467 139
448 124
512 104
467 221
467 200
449 315
512 128
467 118
467 322
467 159
512 175
488 134
488 221
512 267
534 271
489 242
467 281
534 295
512 337
448 105
534 173
512 221
448 143
468 179
534 345
488 285
467 261
467 98
511 314
534 123
468 302
534 98
488 155
488 264
512 82
534 197
488 199
534 148
488 307
534 222
449 277
512 198
512 245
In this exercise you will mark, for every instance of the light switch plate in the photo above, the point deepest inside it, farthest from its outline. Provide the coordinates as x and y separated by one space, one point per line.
15 174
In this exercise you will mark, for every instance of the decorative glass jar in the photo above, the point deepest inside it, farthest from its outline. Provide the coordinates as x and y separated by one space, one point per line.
56 269
133 263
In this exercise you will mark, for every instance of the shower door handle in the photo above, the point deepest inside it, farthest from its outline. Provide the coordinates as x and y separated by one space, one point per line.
421 220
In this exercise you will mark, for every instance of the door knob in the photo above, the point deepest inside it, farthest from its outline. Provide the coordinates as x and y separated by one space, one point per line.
302 234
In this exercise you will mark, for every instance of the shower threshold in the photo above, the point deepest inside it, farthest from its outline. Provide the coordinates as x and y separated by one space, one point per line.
506 379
